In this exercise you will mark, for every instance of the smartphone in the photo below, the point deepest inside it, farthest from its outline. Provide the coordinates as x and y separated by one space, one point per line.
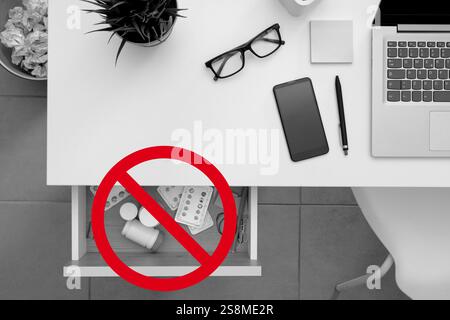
300 116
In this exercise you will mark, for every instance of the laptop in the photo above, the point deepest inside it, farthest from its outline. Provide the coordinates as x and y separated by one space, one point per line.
411 79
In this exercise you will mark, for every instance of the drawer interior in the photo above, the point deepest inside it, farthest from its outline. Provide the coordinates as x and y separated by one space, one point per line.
171 259
209 239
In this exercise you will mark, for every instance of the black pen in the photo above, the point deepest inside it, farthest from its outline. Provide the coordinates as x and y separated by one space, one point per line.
343 125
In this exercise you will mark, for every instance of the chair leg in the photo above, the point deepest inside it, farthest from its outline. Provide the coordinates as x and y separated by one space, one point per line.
360 281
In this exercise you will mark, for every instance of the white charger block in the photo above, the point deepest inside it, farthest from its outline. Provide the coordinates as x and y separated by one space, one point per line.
149 238
147 219
295 7
128 211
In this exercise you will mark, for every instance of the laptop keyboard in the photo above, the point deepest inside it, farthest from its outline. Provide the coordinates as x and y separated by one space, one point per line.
418 71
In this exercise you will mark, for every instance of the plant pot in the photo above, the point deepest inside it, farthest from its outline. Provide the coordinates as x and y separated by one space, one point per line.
5 53
159 41
154 42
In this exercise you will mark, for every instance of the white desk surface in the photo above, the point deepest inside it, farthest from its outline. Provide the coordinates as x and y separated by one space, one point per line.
97 114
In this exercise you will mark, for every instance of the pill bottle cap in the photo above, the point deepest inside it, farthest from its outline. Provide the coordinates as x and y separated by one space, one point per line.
128 211
147 219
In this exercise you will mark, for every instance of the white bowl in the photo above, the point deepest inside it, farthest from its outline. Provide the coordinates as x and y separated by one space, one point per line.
5 53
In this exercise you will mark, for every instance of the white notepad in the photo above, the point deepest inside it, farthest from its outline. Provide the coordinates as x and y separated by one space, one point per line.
331 41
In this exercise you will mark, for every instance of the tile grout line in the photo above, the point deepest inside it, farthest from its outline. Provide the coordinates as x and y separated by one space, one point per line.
310 205
279 204
89 288
33 202
299 250
21 96
330 205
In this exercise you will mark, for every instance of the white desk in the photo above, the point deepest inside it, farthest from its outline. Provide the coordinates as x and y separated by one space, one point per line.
97 113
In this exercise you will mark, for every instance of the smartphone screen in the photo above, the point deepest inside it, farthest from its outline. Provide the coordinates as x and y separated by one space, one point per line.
301 119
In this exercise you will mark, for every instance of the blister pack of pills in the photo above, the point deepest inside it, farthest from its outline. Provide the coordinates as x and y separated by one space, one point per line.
117 195
194 206
208 223
171 196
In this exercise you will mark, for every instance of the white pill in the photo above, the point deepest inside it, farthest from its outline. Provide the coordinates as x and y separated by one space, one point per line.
128 211
147 219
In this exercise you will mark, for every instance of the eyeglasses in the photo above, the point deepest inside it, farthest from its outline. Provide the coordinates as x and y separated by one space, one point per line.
233 61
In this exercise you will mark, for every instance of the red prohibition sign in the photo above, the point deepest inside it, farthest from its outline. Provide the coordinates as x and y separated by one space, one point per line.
208 263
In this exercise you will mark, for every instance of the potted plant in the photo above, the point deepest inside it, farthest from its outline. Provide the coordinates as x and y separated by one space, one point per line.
24 38
143 22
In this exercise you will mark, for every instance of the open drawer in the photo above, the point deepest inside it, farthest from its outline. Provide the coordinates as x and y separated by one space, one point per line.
171 260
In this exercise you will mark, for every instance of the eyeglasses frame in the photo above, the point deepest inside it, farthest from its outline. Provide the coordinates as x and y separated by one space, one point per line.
242 49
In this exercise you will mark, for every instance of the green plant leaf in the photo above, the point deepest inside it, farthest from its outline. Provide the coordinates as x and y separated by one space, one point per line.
138 29
122 45
147 20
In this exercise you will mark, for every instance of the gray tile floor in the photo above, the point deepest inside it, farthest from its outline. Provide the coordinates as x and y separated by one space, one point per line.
310 238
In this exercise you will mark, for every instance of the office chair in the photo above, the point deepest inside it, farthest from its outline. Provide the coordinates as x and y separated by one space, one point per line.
414 225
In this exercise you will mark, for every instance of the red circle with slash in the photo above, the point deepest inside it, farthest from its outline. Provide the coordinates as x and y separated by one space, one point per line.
208 263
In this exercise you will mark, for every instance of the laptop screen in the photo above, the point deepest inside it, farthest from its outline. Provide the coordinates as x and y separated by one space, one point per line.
395 12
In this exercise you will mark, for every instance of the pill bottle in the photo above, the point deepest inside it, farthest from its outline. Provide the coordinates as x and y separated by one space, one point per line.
146 237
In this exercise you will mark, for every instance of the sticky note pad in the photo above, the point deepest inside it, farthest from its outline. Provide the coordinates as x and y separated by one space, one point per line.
331 41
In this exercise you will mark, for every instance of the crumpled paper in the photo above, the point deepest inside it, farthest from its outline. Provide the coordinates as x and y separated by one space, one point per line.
39 6
13 37
26 32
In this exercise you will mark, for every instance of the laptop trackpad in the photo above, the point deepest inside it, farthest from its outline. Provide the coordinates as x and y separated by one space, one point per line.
440 131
